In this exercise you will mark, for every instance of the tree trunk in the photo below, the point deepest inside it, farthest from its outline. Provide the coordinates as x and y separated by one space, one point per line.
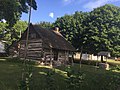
81 55
102 59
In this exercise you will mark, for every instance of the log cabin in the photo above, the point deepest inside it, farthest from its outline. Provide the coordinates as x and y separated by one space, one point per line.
46 46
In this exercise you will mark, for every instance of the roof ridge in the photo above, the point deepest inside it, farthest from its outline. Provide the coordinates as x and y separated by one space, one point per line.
54 39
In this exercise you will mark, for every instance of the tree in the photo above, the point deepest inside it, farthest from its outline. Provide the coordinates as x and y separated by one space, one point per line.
72 28
11 10
10 35
104 28
2 30
80 38
19 28
64 23
44 24
95 31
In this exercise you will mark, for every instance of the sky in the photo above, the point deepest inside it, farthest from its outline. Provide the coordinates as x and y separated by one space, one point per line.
50 10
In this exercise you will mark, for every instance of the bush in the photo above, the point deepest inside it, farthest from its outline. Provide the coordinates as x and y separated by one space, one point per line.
3 55
117 68
18 60
87 62
74 79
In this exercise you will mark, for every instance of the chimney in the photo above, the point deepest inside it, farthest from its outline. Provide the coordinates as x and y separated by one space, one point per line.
56 29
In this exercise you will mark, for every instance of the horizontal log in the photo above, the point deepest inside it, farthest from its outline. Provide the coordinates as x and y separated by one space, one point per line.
34 55
34 52
60 58
48 53
32 43
35 58
31 53
48 59
32 58
21 56
34 49
35 46
31 49
48 56
33 40
22 52
22 48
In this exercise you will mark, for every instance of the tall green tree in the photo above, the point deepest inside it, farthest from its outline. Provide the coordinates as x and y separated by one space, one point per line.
2 30
11 10
6 33
72 28
95 31
80 38
64 23
103 27
19 28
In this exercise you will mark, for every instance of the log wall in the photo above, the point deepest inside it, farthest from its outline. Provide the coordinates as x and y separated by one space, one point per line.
63 57
34 50
37 52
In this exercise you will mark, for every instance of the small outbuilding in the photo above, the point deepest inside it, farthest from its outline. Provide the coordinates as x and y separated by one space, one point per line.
102 64
104 54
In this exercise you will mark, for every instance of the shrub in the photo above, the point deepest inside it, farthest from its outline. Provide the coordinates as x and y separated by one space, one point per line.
50 81
87 62
18 60
75 79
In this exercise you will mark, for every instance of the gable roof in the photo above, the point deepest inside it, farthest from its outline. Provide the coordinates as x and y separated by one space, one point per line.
53 39
104 53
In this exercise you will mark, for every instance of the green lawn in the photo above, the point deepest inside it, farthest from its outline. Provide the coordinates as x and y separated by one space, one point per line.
113 62
93 62
92 78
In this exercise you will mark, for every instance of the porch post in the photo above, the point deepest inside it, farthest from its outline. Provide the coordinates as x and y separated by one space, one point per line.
51 57
72 59
65 58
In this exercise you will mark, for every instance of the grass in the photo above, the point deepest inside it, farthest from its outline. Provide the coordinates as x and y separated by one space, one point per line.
93 62
94 79
113 62
9 75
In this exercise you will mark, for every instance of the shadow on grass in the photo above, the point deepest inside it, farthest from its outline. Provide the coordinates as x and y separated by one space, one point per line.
46 78
94 79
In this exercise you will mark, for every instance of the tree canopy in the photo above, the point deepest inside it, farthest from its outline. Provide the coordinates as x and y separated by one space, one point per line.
105 29
95 31
11 10
12 34
44 24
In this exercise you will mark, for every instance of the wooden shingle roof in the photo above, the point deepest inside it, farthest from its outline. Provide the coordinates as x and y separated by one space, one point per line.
53 39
